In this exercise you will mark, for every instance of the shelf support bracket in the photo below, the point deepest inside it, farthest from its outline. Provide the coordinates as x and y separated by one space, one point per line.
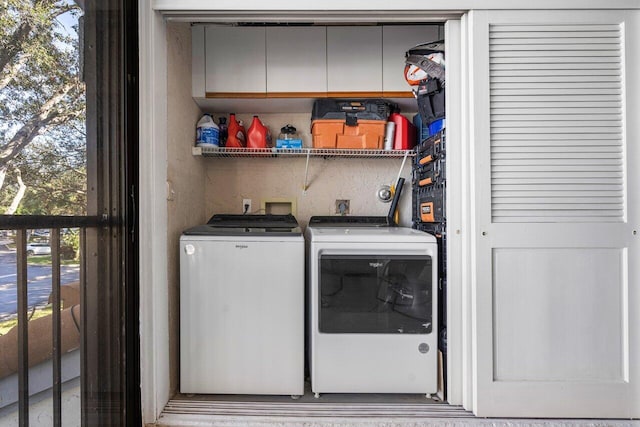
306 173
404 160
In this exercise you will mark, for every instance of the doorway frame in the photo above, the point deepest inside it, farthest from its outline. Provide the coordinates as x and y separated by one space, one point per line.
154 293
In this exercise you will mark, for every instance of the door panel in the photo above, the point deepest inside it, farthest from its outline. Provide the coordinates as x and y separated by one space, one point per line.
296 59
354 59
555 213
558 314
235 59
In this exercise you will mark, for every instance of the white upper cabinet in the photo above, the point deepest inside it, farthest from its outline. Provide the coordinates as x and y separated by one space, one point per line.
296 59
235 59
354 59
396 40
304 61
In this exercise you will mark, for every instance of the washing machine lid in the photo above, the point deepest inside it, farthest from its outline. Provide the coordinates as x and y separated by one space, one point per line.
369 235
259 221
234 225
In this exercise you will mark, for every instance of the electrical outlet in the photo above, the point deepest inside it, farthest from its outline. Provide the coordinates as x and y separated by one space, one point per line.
342 207
246 205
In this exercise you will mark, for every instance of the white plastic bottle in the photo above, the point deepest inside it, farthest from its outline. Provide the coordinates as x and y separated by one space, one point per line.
207 132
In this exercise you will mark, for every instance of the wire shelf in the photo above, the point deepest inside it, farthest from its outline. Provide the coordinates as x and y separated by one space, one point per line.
300 152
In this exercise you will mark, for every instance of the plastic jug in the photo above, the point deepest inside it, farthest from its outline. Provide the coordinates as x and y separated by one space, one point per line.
207 132
258 135
405 138
237 136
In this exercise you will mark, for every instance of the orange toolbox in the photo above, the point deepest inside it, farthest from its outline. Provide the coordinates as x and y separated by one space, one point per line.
337 134
355 124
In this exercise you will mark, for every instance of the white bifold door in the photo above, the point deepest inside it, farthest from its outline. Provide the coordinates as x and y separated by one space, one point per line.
555 143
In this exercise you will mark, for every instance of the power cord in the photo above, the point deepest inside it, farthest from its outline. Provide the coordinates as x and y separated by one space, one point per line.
246 208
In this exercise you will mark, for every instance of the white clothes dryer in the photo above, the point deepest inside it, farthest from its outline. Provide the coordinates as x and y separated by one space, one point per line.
372 309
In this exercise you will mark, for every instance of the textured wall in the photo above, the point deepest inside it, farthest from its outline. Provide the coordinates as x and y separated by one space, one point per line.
231 180
185 173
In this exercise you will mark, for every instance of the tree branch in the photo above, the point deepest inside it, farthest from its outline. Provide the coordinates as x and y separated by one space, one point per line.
61 10
3 174
33 126
12 70
14 45
19 195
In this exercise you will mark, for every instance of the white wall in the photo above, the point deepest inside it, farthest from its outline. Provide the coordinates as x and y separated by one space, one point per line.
229 180
186 174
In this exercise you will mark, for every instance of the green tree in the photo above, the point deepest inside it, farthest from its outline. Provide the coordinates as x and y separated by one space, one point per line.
42 108
53 165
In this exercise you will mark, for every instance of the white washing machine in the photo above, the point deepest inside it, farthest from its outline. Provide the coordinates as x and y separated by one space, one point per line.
372 309
242 306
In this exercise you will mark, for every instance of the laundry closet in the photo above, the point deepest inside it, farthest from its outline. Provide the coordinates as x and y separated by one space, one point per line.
279 73
541 213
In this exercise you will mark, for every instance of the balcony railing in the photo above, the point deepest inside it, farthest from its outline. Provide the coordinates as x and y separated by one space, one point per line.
20 225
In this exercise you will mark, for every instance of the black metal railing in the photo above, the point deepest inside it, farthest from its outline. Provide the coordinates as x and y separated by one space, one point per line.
20 225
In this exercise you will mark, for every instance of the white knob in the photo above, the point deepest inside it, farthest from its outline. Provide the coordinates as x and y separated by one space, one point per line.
189 249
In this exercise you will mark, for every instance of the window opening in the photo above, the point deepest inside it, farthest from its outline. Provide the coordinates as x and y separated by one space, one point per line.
66 212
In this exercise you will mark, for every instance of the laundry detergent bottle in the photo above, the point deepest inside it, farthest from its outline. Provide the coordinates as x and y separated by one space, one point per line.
236 137
258 135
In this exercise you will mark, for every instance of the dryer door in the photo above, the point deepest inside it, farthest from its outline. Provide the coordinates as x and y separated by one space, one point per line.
387 294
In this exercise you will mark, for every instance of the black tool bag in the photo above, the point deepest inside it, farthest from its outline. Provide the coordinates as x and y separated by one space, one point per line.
351 110
430 95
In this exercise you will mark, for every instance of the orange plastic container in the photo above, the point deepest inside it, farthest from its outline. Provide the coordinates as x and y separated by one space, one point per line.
368 134
237 136
258 134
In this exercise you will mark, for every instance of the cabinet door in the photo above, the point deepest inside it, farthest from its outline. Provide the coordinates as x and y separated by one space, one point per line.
396 40
556 298
354 59
296 59
235 59
198 55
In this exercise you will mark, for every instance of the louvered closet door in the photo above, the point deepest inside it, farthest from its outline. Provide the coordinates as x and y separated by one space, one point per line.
555 136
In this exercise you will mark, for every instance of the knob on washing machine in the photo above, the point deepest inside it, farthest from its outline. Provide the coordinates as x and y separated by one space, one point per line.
189 249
